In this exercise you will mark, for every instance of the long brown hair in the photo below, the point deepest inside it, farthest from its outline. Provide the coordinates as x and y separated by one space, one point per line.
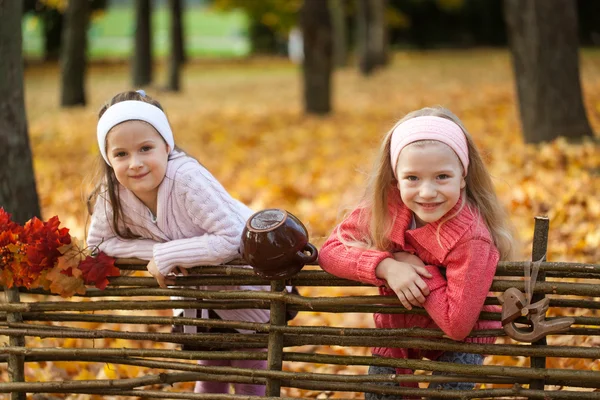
106 184
479 190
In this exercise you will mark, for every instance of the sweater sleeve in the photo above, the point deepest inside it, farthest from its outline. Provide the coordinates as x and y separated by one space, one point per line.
207 204
102 235
454 303
348 261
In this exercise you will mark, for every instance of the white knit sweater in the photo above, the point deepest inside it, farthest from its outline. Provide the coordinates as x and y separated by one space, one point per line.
197 223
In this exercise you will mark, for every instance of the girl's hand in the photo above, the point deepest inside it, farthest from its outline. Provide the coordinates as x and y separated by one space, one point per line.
162 281
405 280
179 271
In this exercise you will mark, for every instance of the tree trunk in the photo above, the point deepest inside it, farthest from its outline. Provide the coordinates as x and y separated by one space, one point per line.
142 56
544 46
366 59
52 22
177 30
73 54
263 39
318 56
378 33
371 35
340 43
175 58
18 194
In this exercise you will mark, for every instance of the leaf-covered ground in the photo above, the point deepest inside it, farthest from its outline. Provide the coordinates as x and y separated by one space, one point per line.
244 121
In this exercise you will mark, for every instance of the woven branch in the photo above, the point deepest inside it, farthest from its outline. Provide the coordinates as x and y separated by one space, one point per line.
290 299
406 338
214 341
574 376
233 266
170 395
85 354
231 371
321 279
517 390
446 345
132 319
130 383
315 304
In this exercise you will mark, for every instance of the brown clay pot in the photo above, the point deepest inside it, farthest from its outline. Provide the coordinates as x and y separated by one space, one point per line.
275 243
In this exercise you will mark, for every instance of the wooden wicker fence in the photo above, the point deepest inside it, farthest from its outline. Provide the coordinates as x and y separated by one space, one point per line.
574 288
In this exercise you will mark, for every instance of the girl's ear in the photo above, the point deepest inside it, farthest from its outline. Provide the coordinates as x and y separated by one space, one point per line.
463 183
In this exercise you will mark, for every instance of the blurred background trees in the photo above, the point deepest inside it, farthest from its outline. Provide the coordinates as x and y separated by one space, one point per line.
544 43
543 38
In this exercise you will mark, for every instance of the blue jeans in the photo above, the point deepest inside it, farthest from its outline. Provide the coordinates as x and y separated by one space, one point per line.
449 356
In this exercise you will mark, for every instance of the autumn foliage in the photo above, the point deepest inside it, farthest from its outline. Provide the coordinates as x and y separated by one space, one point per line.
42 255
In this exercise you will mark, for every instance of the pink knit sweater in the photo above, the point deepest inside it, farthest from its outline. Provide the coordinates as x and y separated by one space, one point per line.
454 303
197 223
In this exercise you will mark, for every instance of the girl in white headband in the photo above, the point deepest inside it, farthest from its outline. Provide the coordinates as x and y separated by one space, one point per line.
429 230
154 202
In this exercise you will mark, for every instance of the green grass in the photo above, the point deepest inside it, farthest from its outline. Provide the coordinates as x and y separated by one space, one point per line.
207 33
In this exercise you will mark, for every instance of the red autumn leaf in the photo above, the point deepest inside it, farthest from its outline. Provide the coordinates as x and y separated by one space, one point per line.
96 270
44 240
6 224
21 275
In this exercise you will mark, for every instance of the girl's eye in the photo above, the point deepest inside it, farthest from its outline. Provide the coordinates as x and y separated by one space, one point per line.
411 178
443 176
121 154
146 148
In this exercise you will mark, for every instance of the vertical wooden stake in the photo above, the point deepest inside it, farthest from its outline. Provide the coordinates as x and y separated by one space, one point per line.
275 350
538 252
16 362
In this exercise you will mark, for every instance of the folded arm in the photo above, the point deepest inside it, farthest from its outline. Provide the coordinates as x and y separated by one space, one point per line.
215 212
454 303
102 235
349 261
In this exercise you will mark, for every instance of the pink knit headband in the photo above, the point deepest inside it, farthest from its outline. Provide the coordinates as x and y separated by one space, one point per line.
429 128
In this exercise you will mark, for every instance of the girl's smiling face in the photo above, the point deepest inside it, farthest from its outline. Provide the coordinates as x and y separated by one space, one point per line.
430 180
138 154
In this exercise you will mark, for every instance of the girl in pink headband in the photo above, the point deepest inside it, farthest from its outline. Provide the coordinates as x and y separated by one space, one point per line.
429 230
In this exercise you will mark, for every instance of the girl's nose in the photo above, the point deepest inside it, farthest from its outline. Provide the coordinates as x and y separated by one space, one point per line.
136 162
427 191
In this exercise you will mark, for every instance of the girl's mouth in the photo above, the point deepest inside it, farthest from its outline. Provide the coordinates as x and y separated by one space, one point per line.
139 176
429 206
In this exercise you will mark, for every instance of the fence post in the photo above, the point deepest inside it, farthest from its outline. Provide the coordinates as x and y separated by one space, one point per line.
275 349
538 253
16 362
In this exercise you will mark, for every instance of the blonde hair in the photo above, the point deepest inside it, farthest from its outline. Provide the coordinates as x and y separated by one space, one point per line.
480 195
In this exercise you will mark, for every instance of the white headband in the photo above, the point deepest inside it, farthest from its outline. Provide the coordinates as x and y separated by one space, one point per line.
133 110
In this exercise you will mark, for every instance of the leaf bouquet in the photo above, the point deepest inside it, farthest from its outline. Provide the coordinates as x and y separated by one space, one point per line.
40 254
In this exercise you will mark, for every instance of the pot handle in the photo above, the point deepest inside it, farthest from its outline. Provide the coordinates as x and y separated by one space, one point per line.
308 258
